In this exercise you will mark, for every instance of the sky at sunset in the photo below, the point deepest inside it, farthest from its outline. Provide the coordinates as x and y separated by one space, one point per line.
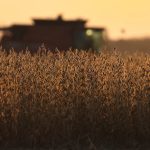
130 16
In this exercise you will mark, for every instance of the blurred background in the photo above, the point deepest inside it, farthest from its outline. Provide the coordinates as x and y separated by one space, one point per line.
126 22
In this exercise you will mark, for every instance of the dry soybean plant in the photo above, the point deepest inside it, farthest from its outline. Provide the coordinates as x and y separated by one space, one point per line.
51 98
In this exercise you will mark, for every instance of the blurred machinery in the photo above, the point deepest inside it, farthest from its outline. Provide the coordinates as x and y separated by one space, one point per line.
54 33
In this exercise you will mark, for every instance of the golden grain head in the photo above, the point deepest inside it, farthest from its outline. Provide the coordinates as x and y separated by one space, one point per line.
62 95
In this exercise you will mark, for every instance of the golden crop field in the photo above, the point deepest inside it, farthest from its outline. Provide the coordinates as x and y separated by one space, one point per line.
55 98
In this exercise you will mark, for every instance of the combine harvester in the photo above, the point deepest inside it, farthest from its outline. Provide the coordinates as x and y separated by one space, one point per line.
54 33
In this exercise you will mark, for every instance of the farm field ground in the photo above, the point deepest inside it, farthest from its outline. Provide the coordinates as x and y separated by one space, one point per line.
74 100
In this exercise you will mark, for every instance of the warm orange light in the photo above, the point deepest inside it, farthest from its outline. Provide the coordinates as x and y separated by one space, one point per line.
132 15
